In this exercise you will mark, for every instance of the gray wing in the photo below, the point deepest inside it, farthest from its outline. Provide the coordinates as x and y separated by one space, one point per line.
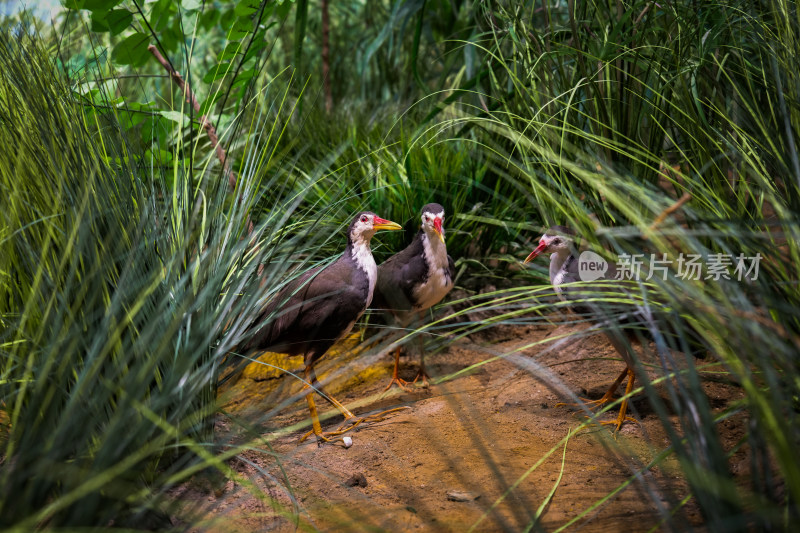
310 313
602 299
397 277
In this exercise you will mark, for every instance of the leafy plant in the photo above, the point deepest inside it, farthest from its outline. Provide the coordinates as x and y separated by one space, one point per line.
130 243
122 292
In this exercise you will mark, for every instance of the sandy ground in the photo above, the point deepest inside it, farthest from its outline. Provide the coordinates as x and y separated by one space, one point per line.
492 437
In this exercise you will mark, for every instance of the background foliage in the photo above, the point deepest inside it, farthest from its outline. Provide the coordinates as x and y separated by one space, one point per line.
128 262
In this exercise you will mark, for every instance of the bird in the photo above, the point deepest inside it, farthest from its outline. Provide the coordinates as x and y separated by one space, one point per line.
414 280
319 308
609 302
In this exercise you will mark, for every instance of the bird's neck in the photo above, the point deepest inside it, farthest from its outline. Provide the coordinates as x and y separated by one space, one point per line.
435 252
559 261
359 251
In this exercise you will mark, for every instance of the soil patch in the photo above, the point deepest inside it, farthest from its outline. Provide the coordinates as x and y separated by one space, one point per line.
484 449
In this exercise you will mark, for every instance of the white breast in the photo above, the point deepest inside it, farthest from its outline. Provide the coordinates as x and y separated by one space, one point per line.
438 283
558 279
362 255
558 269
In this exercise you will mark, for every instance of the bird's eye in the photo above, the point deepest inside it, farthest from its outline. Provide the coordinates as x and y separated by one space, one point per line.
364 218
426 217
556 241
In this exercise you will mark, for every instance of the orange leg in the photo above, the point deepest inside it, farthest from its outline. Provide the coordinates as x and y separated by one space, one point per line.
397 380
605 398
349 417
315 425
422 374
621 418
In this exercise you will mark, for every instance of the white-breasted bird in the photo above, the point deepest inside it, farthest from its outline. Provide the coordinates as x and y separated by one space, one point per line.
319 308
615 305
414 280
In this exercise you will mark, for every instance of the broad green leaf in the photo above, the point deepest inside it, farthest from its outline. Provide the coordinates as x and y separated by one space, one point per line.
255 48
242 27
230 51
218 72
226 18
158 156
114 21
283 9
171 36
134 113
243 24
132 50
174 116
100 5
243 77
245 8
209 18
191 5
128 120
154 128
237 35
162 14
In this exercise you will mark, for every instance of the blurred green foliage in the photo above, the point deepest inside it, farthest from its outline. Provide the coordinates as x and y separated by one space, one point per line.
128 263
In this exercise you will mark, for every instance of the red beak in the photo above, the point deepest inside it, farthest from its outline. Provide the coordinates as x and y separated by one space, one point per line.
437 225
539 249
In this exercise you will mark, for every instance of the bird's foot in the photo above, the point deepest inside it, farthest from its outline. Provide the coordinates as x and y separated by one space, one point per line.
597 404
621 419
326 436
618 422
321 437
350 424
424 377
377 417
400 382
591 404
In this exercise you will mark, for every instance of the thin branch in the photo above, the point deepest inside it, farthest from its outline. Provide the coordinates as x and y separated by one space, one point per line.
211 131
326 57
669 210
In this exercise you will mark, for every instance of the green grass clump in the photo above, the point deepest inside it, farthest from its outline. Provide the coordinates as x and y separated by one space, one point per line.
127 263
606 101
117 284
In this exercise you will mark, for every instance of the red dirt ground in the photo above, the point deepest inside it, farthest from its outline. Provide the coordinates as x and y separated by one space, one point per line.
493 432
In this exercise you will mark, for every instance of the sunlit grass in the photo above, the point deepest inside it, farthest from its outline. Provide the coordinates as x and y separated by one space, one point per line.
128 277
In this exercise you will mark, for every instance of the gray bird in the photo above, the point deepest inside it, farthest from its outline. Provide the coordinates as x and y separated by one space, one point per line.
606 301
319 308
414 280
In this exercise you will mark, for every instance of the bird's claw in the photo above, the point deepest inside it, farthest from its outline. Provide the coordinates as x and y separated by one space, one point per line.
425 383
377 417
321 437
618 423
596 404
400 382
353 423
421 376
592 404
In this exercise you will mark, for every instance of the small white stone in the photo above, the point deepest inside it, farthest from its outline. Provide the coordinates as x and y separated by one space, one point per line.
347 441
